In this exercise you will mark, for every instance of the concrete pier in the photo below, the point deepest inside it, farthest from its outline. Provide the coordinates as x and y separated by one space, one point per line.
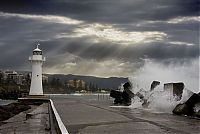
36 123
93 116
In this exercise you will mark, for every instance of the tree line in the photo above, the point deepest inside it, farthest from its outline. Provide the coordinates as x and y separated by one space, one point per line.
55 85
10 89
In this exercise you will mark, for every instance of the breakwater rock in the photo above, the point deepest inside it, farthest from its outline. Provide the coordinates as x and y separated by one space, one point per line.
187 108
123 98
12 109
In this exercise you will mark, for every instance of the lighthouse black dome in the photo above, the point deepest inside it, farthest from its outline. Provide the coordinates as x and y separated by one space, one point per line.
37 51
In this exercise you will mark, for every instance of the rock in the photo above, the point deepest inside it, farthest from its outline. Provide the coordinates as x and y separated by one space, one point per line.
127 94
176 89
117 95
198 114
194 99
183 109
4 114
140 95
154 84
19 108
188 107
12 109
126 99
123 97
9 107
127 85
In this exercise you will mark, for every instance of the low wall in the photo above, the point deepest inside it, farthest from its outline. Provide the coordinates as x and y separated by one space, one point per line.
56 123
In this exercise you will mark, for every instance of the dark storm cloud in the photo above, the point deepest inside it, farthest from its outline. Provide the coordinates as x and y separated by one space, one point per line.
85 49
19 36
25 33
24 23
112 11
161 26
105 50
14 56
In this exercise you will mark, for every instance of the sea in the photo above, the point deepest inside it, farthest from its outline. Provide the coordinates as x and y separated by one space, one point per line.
84 96
6 102
159 102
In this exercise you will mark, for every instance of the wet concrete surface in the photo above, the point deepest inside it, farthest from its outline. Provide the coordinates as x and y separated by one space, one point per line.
96 116
37 123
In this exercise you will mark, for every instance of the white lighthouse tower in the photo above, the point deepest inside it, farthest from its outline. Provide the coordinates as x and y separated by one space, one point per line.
36 78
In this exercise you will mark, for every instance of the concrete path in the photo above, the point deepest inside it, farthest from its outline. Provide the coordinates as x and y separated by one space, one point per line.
37 123
97 117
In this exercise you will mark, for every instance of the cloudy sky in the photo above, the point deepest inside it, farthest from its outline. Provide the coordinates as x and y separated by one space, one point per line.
99 37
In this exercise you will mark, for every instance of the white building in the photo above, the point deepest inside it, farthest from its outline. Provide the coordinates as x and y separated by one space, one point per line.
36 78
13 76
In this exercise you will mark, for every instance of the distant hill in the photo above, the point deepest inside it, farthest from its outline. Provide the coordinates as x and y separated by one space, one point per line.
111 83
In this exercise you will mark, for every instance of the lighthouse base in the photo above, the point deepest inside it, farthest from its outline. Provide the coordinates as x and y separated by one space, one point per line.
37 96
34 98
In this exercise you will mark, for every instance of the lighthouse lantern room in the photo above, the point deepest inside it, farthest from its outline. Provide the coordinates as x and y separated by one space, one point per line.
36 78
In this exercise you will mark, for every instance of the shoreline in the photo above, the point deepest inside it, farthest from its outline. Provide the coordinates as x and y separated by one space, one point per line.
33 120
12 109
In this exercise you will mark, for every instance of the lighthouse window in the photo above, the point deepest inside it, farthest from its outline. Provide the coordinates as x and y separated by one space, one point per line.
37 53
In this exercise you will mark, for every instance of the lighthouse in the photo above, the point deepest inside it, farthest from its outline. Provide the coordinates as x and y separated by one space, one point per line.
36 78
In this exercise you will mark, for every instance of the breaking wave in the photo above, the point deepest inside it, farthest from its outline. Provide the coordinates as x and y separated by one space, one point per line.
159 100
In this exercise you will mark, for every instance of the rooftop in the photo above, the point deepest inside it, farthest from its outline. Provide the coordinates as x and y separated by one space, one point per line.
37 49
